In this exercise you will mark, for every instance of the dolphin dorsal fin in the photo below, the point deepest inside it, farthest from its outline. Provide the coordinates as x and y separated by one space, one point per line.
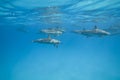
49 37
57 27
95 27
84 29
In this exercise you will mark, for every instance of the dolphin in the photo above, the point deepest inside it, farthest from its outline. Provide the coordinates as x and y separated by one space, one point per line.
93 32
52 31
48 40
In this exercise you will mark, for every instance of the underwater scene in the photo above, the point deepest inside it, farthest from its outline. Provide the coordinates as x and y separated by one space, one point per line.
59 39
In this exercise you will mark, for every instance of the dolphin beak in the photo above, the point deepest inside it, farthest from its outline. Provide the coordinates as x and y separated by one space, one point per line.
108 33
33 41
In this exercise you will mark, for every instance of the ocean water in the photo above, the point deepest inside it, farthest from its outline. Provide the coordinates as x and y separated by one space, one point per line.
77 57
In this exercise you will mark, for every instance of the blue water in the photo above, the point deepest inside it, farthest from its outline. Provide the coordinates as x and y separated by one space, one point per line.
77 57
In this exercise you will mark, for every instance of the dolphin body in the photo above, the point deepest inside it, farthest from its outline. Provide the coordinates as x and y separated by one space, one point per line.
52 31
94 32
48 40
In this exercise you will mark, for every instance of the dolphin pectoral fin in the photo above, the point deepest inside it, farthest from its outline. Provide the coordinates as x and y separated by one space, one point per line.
55 35
58 34
101 36
88 36
56 45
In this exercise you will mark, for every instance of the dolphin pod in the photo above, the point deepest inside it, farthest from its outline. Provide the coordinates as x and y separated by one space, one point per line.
57 32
